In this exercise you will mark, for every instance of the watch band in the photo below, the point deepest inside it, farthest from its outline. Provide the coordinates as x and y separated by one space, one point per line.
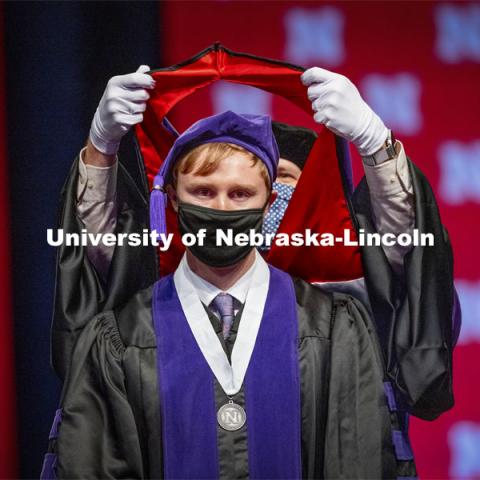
386 152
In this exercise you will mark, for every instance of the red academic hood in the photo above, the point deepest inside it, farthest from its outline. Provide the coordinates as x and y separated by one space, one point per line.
320 202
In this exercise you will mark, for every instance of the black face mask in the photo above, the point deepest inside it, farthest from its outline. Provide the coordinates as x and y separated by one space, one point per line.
192 218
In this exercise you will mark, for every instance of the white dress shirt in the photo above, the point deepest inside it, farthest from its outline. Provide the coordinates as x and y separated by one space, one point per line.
252 290
97 208
207 292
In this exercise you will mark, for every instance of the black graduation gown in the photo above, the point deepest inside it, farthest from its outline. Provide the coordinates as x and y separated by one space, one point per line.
111 428
80 292
412 313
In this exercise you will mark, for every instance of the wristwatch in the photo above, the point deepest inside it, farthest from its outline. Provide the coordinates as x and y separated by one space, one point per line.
386 152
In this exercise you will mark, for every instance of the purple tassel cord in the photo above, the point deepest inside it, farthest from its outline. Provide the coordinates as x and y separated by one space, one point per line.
158 206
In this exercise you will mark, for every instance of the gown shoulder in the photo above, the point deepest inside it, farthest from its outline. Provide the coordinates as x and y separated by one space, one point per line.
318 308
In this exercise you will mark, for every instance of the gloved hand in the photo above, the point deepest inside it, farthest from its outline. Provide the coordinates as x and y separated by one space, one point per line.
338 105
121 106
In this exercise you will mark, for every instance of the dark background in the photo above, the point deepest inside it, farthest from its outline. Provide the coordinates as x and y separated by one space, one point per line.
59 57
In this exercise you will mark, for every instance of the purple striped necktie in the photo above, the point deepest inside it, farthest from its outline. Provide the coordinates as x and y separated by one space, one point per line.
223 302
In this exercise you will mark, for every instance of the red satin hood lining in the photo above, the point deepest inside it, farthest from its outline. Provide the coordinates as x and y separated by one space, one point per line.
319 201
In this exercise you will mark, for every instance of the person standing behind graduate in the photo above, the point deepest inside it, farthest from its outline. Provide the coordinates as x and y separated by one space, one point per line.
294 145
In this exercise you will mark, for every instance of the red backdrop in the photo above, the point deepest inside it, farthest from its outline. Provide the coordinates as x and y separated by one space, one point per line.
417 65
7 380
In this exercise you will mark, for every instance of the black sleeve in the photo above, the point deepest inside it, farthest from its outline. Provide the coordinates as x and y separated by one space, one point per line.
80 293
413 311
359 429
94 433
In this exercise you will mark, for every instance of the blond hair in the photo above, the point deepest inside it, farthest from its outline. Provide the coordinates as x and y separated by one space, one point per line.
204 160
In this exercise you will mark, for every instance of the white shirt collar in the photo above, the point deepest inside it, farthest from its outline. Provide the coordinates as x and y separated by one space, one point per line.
207 292
256 284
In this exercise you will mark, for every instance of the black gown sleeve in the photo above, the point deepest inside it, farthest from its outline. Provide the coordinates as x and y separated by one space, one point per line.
80 293
413 310
94 433
358 437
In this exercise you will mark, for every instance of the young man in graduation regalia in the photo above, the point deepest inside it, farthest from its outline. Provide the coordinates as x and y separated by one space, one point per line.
287 384
113 380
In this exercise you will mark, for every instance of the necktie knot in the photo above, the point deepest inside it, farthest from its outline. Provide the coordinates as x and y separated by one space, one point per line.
223 302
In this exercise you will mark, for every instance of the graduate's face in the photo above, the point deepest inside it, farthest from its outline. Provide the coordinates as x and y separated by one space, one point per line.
288 172
236 184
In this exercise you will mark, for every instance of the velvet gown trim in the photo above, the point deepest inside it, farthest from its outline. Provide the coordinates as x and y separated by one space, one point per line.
272 389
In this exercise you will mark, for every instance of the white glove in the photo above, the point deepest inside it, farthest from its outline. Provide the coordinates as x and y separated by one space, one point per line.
338 105
122 105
